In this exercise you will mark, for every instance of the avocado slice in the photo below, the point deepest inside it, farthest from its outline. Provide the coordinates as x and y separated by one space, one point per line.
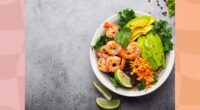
140 22
140 26
152 50
140 31
146 52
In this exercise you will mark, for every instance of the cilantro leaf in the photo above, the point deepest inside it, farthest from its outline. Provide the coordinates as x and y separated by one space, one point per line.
165 34
122 37
125 16
114 81
100 42
171 7
155 78
141 85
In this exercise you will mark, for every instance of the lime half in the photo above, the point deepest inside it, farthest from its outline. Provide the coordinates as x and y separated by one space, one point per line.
123 79
108 104
103 90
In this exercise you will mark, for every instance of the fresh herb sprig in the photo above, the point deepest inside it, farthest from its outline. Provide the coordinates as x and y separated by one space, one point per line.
141 85
155 78
122 37
125 16
171 7
100 42
114 81
164 33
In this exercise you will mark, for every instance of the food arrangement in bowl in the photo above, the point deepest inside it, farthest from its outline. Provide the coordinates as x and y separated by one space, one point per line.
132 50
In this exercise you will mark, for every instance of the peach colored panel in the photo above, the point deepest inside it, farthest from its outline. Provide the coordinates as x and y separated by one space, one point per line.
8 66
187 54
12 55
187 16
16 43
9 93
12 15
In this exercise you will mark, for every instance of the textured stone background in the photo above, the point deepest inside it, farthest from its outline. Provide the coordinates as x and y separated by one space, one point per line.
58 70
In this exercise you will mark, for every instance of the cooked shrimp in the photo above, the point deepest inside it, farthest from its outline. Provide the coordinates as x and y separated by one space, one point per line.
102 65
114 63
102 55
133 50
102 49
113 48
111 29
102 52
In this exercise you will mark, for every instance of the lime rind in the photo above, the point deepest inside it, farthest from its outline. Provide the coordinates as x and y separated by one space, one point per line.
108 104
103 90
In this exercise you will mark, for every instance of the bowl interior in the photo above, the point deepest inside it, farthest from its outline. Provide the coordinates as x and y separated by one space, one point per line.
103 78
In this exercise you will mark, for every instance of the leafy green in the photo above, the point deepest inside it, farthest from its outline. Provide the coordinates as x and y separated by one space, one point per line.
141 85
114 81
125 16
164 33
123 36
155 79
171 7
100 42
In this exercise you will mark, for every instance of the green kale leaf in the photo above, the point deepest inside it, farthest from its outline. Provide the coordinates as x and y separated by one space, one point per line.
125 16
100 42
155 78
141 85
171 7
114 81
164 33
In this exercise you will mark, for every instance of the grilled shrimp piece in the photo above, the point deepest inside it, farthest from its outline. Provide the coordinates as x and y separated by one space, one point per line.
102 49
111 29
131 52
114 63
102 55
102 65
113 48
102 52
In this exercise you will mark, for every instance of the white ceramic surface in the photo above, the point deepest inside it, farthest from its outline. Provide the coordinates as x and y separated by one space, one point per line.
103 78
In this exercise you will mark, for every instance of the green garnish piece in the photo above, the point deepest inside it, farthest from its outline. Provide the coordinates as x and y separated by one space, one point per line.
123 36
165 34
114 81
141 85
100 42
125 16
155 78
171 7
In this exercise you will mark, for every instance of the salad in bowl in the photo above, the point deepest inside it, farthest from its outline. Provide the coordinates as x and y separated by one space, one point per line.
132 53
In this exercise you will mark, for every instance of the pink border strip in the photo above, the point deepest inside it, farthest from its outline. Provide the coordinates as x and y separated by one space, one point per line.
12 55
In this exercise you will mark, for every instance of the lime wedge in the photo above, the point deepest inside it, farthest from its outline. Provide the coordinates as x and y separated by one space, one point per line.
123 79
108 104
103 90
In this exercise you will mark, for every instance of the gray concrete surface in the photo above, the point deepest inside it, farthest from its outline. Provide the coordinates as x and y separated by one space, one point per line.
58 70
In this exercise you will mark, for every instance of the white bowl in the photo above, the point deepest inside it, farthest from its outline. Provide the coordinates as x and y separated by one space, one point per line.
103 78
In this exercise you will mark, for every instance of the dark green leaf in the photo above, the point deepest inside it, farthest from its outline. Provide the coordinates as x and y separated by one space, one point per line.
114 82
119 37
165 34
125 16
155 79
126 32
100 42
123 36
141 85
171 7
